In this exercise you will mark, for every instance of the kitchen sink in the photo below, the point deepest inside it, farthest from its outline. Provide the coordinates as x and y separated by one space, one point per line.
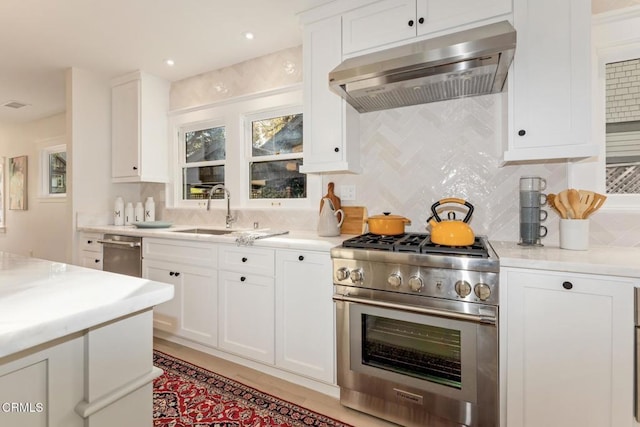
204 231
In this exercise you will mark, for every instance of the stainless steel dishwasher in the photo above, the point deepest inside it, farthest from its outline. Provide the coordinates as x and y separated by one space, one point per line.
122 254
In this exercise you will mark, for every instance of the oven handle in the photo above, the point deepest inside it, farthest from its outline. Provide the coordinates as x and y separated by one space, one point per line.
489 318
120 243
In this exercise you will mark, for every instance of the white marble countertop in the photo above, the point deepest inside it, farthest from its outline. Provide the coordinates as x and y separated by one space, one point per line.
301 240
605 260
44 300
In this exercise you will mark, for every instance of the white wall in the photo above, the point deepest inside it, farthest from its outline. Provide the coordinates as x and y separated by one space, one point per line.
43 229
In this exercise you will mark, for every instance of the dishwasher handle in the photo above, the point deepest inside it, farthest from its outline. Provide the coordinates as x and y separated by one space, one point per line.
120 243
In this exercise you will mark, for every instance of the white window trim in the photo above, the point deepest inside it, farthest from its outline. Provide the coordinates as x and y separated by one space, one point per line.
45 149
233 113
615 37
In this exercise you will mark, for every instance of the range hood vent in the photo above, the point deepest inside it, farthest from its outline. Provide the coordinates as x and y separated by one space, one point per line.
468 63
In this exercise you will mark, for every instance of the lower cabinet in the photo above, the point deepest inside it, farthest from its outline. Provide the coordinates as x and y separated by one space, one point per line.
91 250
246 312
570 346
304 314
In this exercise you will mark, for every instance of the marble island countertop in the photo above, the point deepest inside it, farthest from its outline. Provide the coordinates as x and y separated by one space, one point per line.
43 300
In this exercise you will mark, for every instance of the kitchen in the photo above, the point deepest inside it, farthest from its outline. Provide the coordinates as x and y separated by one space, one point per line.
450 164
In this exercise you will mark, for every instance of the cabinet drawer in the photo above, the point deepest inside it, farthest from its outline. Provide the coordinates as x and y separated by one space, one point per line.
89 242
180 251
247 260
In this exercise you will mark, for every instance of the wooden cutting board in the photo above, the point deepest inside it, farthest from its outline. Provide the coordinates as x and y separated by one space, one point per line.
354 217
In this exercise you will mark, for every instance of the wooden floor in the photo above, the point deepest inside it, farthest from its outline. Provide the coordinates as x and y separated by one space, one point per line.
285 390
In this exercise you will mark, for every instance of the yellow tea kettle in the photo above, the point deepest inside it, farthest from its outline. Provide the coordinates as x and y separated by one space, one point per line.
451 232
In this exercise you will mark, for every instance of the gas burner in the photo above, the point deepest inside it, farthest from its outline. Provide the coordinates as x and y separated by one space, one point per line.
418 243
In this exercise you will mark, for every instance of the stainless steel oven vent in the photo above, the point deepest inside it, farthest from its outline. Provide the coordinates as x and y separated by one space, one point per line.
468 63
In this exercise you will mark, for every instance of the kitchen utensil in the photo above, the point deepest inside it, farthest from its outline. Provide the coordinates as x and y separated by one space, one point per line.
328 223
334 199
573 197
451 232
598 200
354 217
551 201
387 224
564 200
559 206
586 199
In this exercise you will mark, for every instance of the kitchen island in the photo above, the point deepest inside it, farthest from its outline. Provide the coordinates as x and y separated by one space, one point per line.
75 345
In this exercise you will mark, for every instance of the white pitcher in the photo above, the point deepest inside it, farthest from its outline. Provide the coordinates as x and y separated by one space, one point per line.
328 224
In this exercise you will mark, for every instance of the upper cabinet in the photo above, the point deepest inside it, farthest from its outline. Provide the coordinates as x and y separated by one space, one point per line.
392 21
331 126
139 144
550 81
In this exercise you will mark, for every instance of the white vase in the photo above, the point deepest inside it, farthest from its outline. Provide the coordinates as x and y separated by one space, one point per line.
139 213
118 211
149 209
128 214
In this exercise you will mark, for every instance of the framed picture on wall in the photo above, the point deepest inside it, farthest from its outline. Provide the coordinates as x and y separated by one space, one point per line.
18 183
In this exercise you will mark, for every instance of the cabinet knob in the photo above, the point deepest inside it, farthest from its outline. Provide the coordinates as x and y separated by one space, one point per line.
135 168
171 273
522 132
242 278
89 242
337 150
567 285
96 261
301 258
244 259
177 273
421 21
410 22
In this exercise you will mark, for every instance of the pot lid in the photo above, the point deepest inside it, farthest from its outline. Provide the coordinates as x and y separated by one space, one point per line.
388 216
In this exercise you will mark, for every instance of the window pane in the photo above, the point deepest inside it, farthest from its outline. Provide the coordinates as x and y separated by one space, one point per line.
278 180
197 181
58 173
278 135
205 145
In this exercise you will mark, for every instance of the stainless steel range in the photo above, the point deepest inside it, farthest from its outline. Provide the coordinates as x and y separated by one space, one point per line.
417 329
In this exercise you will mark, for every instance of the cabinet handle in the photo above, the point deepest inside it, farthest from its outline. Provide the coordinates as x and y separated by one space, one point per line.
522 132
177 273
421 21
410 22
89 242
171 273
242 278
96 261
301 258
337 150
135 168
244 259
567 285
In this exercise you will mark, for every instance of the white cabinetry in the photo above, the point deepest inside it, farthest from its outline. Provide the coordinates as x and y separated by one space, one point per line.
246 304
570 342
191 268
139 144
91 250
390 21
304 314
549 83
331 126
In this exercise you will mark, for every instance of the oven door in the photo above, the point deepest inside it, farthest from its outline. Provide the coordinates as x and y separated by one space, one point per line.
406 364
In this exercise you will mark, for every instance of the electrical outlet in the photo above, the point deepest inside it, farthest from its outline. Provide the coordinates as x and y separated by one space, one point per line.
348 192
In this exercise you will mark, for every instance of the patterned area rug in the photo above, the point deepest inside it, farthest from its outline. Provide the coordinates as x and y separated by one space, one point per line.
190 396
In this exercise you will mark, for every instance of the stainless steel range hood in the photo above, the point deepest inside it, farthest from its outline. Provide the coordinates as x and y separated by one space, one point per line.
467 63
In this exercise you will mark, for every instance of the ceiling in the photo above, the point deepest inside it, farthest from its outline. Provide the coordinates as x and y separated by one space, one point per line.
40 39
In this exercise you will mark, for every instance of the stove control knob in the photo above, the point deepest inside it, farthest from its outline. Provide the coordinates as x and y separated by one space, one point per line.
394 280
463 288
342 273
357 276
483 291
415 283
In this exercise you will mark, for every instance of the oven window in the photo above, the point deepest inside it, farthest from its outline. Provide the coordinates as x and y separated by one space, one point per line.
421 351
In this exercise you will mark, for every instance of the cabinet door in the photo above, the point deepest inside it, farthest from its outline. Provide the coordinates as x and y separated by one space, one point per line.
444 14
91 259
192 313
331 126
569 349
125 130
378 24
246 322
549 87
304 314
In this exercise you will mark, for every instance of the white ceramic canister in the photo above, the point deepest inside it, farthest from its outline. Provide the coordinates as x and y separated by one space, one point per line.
138 215
128 214
118 211
149 209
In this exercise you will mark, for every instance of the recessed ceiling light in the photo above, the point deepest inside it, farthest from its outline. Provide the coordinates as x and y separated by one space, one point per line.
169 62
248 35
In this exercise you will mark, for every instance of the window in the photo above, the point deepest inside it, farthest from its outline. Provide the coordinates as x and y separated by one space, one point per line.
53 171
275 156
203 150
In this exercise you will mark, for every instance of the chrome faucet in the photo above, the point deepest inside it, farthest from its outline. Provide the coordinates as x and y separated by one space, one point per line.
229 218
